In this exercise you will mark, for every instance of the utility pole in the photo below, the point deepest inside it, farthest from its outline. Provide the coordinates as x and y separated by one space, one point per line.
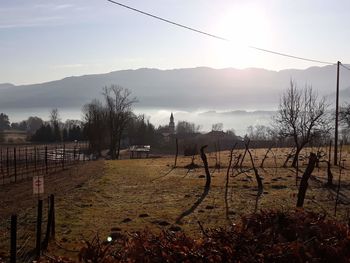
336 119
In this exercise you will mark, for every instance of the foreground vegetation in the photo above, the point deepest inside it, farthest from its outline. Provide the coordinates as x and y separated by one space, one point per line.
268 236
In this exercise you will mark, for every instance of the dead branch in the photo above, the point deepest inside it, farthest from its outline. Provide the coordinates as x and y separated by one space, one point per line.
265 157
304 180
202 228
206 168
235 166
289 156
257 176
206 188
177 151
227 181
329 173
242 172
275 161
245 152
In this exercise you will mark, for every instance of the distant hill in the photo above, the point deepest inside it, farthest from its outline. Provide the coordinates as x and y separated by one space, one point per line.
6 85
187 89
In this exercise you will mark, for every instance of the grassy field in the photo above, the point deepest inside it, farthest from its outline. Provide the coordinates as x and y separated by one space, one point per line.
130 195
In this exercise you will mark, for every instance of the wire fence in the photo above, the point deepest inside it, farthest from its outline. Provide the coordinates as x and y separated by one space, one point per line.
20 162
25 236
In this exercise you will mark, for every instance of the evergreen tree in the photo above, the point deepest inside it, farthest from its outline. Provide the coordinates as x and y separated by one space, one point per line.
65 135
4 122
43 134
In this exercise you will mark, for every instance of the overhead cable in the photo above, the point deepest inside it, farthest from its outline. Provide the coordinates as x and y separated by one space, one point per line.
216 36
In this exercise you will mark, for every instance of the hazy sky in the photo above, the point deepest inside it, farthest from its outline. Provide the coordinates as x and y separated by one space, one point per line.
43 40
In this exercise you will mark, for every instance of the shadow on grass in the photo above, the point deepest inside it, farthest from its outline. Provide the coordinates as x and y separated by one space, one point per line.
194 206
206 188
168 172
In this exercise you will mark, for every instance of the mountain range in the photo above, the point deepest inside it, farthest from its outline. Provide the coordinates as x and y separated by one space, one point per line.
181 89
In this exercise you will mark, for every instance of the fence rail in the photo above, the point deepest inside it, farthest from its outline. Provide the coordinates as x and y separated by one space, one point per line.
20 162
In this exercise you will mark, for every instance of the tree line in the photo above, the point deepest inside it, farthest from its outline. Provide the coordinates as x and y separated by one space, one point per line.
302 119
39 130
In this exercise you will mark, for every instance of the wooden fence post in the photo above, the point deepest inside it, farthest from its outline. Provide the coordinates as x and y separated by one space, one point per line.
7 162
52 207
206 168
35 159
20 164
38 228
26 160
55 158
84 151
15 162
50 222
79 154
63 155
46 163
13 241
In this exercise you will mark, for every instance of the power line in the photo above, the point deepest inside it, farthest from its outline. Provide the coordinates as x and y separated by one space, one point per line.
168 21
291 56
341 64
216 36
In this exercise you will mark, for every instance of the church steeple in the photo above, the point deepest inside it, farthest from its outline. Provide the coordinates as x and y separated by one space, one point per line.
172 124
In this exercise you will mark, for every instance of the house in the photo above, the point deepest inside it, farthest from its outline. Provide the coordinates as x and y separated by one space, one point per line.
136 151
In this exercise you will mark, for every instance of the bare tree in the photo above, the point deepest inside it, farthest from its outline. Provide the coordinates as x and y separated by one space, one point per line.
261 133
118 113
301 116
54 116
54 122
217 126
345 115
95 128
184 128
33 124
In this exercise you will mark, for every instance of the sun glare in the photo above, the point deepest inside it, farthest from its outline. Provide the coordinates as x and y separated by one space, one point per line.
244 26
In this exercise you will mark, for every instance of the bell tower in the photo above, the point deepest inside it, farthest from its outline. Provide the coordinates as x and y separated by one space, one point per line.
172 124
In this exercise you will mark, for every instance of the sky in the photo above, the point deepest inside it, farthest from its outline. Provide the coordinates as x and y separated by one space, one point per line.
43 40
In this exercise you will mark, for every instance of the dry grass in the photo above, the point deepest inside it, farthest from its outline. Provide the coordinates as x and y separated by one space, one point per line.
134 194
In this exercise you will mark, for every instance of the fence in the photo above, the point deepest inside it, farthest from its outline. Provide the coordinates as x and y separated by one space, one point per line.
29 239
19 162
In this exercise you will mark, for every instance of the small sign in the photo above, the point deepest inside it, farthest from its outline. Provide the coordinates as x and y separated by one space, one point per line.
38 184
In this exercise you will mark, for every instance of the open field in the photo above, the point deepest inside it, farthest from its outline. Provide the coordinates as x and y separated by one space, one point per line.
133 194
10 136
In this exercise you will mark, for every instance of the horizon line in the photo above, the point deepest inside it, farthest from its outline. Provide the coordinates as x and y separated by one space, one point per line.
160 69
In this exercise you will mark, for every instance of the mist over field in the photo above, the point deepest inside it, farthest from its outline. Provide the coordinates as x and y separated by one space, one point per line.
237 98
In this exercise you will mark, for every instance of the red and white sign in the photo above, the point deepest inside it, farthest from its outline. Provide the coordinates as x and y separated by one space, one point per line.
38 184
